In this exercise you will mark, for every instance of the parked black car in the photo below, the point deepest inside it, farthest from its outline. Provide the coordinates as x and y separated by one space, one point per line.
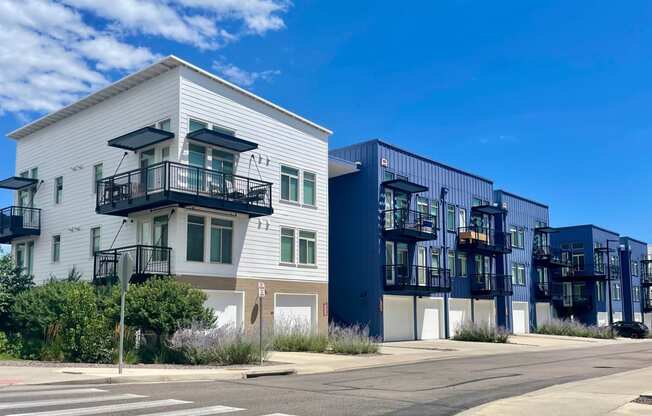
631 329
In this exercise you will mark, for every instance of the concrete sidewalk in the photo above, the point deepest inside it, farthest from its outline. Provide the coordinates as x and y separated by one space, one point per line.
610 395
394 353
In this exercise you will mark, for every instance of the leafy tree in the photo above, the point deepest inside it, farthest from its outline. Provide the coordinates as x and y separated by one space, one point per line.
12 282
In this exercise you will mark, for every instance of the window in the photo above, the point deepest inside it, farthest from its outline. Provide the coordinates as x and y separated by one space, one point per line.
223 161
221 240
20 256
450 217
578 261
96 240
518 274
435 261
58 190
307 245
521 237
422 205
451 262
578 246
434 211
165 153
387 176
513 231
196 125
195 238
463 264
197 155
56 248
636 294
600 289
615 291
476 202
30 258
309 182
165 125
97 175
289 184
518 236
462 217
287 245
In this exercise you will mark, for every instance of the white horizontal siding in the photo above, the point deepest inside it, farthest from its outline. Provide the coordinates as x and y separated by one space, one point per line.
281 141
81 140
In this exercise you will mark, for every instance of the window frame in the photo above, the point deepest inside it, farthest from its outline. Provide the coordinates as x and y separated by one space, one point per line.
203 238
95 178
210 245
92 236
290 177
58 190
293 250
303 188
55 243
450 213
314 241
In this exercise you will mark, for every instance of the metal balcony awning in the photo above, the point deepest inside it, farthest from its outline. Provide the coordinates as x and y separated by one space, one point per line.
141 138
405 186
488 209
217 138
17 183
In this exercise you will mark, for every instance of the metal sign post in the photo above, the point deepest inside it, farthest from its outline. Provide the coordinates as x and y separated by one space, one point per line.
261 294
125 267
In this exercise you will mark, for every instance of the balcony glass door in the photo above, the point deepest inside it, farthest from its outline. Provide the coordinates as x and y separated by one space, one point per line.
402 261
402 204
224 163
160 237
390 274
421 263
389 205
196 177
567 294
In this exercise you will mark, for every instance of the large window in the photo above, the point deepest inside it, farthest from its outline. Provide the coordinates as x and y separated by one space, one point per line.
96 240
97 175
221 240
462 217
307 247
196 125
58 189
451 262
195 238
450 217
518 236
600 289
289 184
518 274
615 291
56 248
222 161
463 269
434 211
25 256
521 237
636 293
287 245
578 261
309 188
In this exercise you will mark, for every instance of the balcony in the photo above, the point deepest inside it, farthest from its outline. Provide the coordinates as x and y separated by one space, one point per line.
416 279
646 303
171 183
548 256
484 240
488 285
19 222
542 292
148 261
402 224
577 302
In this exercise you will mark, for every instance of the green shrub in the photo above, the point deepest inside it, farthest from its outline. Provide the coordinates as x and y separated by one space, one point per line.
12 282
480 332
351 340
570 328
61 321
224 345
298 337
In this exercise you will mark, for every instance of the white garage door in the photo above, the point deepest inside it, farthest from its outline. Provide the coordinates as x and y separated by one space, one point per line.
398 318
430 315
544 313
295 311
520 317
459 311
603 318
228 307
484 312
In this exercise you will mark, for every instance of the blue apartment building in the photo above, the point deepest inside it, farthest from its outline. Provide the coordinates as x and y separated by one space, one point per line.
416 247
633 261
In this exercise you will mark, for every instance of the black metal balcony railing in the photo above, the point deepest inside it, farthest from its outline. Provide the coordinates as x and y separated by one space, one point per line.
547 255
601 269
542 291
175 183
646 302
484 239
416 278
19 222
491 285
406 224
148 261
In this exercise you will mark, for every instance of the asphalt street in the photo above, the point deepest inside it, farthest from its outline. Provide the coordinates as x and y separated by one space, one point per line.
442 387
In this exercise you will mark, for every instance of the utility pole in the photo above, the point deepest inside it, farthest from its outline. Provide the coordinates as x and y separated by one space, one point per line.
444 257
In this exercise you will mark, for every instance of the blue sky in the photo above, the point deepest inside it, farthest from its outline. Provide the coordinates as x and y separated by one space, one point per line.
551 100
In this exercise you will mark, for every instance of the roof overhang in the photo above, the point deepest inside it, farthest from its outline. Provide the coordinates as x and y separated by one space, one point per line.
547 230
339 167
405 186
217 138
489 209
141 138
17 183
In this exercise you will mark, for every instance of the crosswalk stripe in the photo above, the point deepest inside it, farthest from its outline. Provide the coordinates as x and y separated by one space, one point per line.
14 394
201 411
113 408
57 402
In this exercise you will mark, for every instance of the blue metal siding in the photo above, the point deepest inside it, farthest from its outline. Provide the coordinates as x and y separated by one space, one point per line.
631 251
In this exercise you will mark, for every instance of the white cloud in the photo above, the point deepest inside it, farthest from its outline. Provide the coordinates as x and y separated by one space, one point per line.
55 51
240 76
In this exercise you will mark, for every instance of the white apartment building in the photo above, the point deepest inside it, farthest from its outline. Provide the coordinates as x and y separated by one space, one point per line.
195 177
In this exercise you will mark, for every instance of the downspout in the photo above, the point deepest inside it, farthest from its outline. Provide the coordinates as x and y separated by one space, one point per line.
444 256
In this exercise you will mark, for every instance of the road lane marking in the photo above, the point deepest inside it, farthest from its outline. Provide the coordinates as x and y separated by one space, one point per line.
13 394
59 402
114 408
201 411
